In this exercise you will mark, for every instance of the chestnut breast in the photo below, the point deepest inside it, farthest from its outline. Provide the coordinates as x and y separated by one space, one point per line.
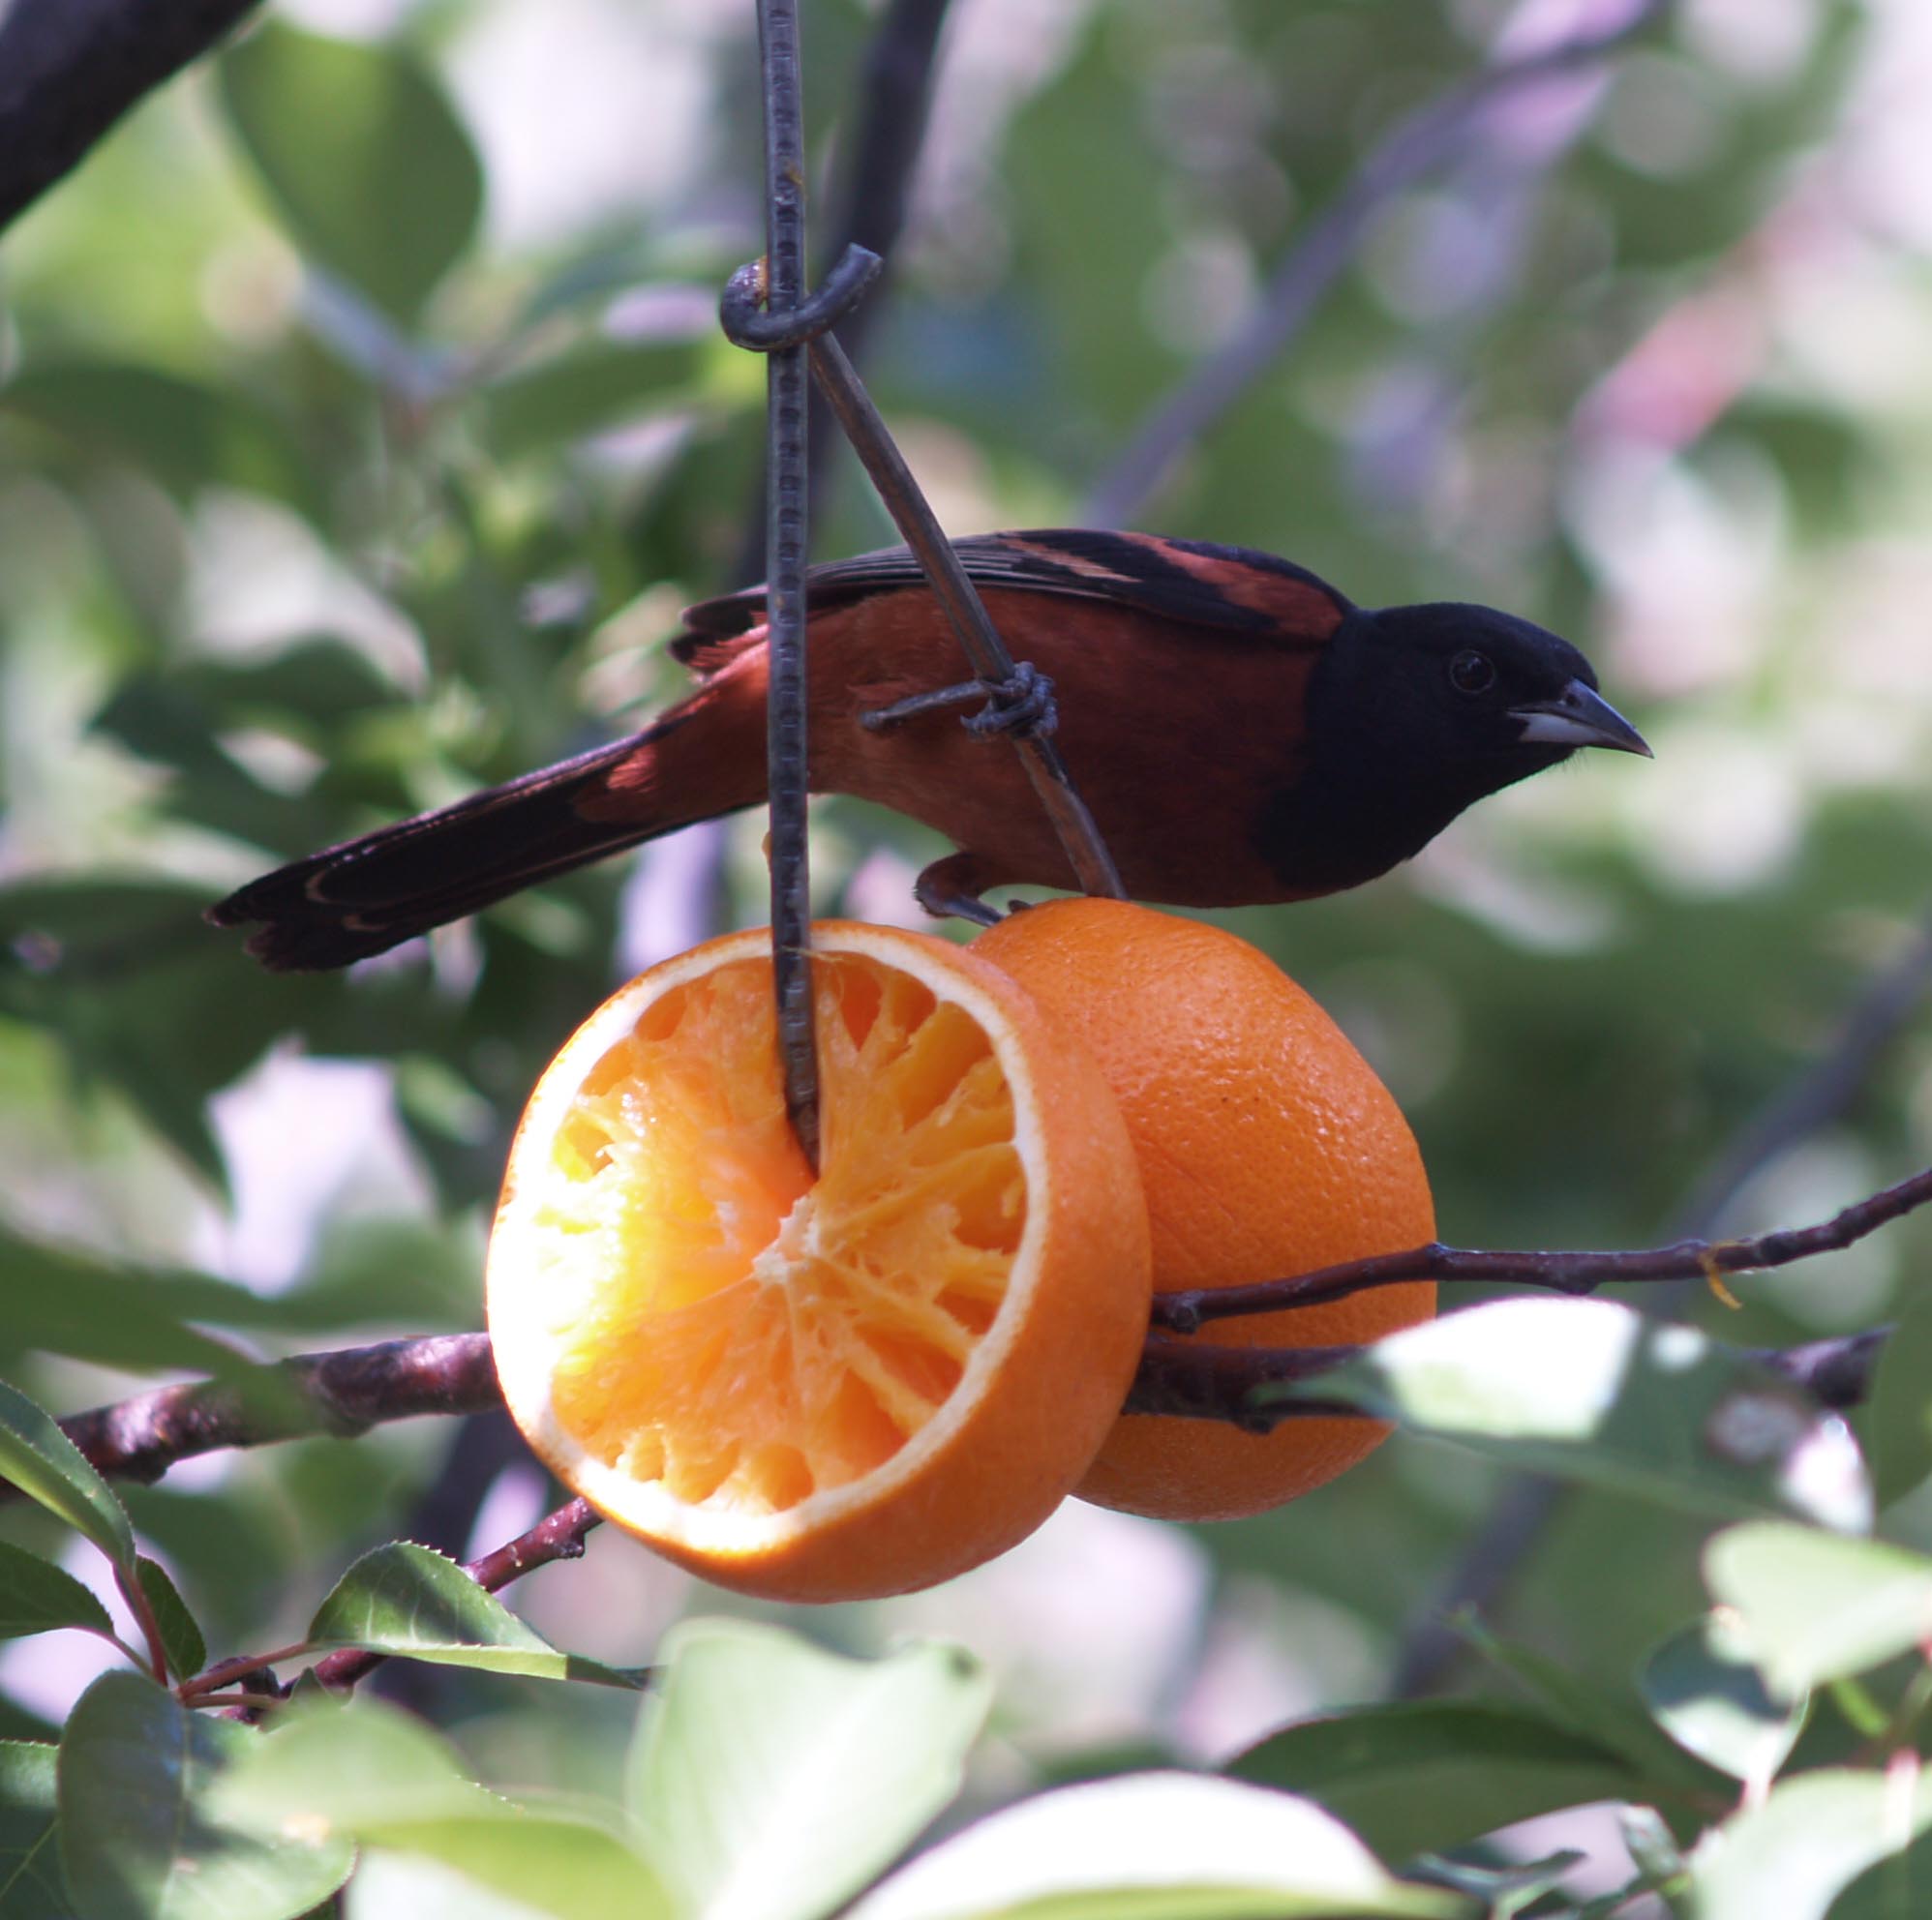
1179 737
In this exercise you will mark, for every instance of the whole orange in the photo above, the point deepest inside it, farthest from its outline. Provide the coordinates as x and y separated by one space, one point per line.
1267 1147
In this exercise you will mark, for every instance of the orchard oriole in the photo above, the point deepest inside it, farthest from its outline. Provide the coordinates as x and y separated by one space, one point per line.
1242 733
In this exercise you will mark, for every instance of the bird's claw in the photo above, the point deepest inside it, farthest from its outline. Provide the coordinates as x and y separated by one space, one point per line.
1022 704
946 903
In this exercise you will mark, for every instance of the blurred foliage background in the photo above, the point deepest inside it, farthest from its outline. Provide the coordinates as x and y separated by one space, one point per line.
365 422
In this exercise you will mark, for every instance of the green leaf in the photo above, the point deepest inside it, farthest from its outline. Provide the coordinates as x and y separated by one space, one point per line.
772 1780
1415 1777
1504 1891
387 1884
60 1300
371 1774
188 436
1614 1720
371 168
46 1466
1705 1691
1811 1838
589 391
37 1597
409 1599
31 1887
565 1863
138 1840
1651 1844
1814 1606
1901 1407
1154 1847
181 1636
350 1769
1596 1393
143 996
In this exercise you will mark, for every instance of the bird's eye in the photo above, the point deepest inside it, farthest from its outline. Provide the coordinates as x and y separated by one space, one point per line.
1472 673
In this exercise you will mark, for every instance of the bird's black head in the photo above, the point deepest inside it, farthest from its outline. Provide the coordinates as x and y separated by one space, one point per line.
1417 711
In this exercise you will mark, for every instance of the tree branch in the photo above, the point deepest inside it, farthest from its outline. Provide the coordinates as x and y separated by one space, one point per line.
894 86
70 69
343 1394
347 1392
1825 1088
1196 1380
1523 1510
558 1536
1574 1274
1416 147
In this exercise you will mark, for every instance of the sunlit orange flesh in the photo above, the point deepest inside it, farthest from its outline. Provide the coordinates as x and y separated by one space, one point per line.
728 1328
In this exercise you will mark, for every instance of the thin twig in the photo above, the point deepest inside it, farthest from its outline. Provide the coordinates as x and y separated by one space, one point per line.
1198 1380
894 90
893 87
558 1536
134 1597
1524 1511
1418 145
1837 1373
230 1672
1825 1088
347 1392
70 69
1574 1274
343 1394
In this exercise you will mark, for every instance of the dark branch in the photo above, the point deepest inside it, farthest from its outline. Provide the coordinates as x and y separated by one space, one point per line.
1196 1380
1837 1373
1574 1274
1525 1508
343 1394
558 1536
894 89
70 69
347 1392
1416 147
1825 1088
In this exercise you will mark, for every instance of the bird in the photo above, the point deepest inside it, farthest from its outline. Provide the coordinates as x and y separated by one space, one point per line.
1242 733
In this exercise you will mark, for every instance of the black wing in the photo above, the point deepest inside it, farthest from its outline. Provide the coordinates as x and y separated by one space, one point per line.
1194 581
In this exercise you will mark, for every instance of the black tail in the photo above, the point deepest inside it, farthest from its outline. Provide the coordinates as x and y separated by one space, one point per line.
367 895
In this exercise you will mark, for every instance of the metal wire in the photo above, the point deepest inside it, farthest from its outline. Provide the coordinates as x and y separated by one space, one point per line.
790 327
785 537
1086 852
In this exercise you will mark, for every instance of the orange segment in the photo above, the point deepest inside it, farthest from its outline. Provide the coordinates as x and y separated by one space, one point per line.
833 1387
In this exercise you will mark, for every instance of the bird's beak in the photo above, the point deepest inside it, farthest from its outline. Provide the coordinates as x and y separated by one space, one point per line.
1578 717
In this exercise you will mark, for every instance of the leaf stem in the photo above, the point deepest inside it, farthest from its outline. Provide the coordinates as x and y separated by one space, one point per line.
139 1606
226 1672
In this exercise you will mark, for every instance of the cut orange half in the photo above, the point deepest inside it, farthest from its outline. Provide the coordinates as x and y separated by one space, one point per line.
824 1388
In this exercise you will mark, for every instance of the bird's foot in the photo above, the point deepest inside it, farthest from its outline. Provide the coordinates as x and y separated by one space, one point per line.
946 903
953 890
1021 705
